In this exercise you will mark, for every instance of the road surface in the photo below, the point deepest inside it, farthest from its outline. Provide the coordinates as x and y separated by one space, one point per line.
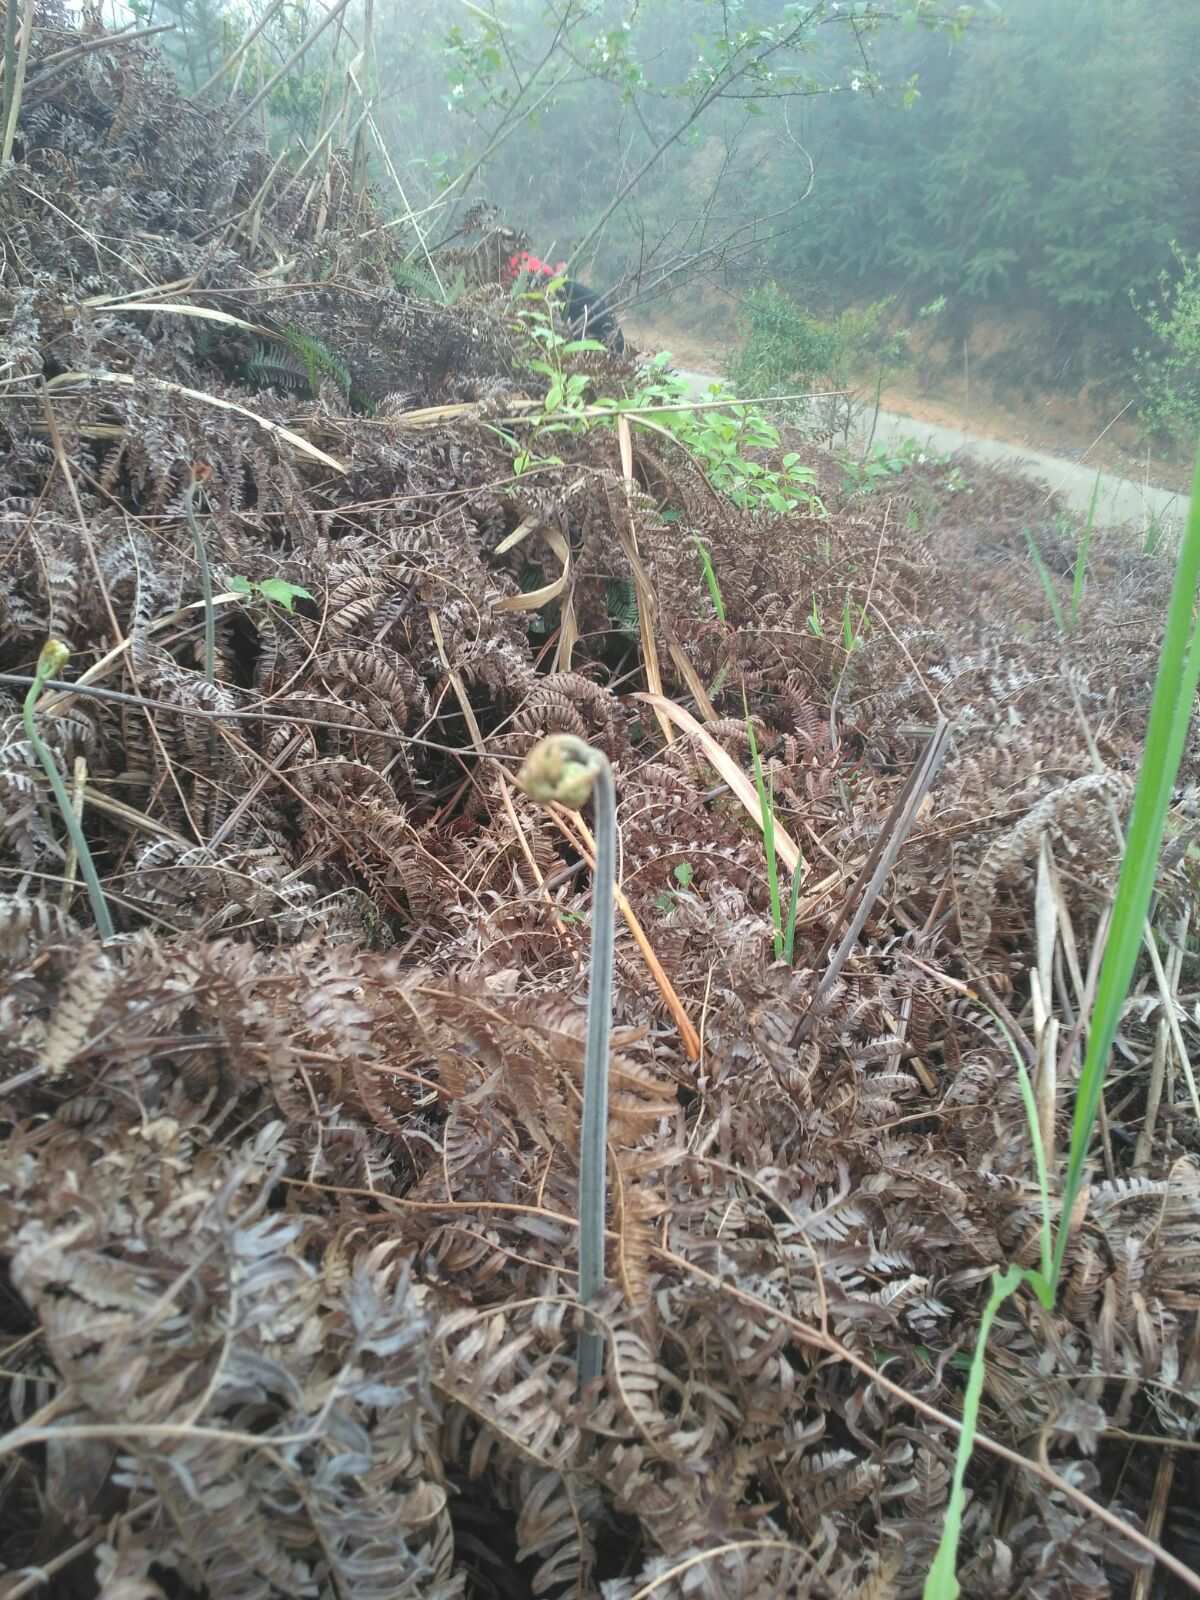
1120 500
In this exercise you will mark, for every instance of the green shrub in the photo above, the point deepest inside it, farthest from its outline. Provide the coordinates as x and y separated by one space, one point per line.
788 349
1169 375
721 439
785 346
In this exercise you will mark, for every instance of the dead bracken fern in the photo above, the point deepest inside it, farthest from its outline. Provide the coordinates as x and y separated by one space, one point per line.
290 1163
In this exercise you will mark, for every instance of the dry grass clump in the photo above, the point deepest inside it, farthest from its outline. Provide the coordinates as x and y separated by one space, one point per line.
288 1179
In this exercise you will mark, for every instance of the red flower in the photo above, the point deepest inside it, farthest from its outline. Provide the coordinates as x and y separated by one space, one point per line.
524 262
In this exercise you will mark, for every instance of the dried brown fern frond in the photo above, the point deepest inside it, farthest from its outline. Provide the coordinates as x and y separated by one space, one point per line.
239 1412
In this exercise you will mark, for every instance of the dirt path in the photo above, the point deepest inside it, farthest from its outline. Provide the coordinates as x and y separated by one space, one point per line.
1119 498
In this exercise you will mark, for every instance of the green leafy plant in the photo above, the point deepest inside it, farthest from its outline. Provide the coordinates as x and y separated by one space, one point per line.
718 431
417 278
1154 533
871 475
683 873
783 345
787 347
275 591
867 342
874 471
298 362
853 632
1066 622
318 361
564 407
276 366
621 598
1168 374
720 437
1079 577
1045 579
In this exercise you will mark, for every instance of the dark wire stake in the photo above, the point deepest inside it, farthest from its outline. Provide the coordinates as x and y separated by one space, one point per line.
563 768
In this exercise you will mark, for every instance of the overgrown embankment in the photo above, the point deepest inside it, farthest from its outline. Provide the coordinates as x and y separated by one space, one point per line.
288 1178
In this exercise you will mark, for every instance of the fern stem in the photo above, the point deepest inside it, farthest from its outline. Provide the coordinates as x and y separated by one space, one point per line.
206 587
594 1137
565 769
14 74
10 61
54 656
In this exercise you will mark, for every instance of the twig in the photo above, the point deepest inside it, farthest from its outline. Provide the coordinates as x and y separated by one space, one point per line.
53 66
877 866
581 839
199 473
78 798
9 63
231 60
309 40
14 76
1164 1478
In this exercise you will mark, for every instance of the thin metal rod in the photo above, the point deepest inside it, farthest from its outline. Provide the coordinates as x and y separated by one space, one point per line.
593 1154
564 769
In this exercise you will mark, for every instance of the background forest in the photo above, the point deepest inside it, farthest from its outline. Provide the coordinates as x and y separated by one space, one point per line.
1024 168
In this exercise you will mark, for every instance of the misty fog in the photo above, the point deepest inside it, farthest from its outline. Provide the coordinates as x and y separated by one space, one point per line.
1023 168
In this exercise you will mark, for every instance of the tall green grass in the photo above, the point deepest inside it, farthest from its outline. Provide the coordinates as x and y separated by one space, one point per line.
1067 623
1079 580
1170 716
710 577
52 659
1046 580
784 932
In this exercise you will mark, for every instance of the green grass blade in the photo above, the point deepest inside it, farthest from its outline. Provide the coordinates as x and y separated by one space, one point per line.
789 932
1044 1289
1047 581
710 577
1170 715
1081 557
767 811
1040 1280
941 1584
53 658
773 868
